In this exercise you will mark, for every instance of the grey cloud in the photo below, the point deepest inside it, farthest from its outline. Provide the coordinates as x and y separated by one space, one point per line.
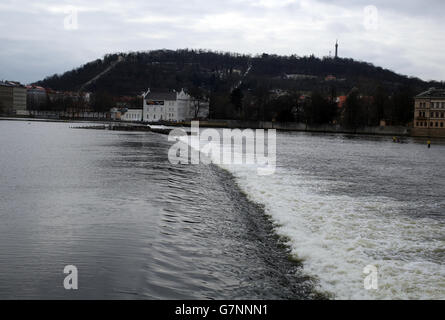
413 8
34 43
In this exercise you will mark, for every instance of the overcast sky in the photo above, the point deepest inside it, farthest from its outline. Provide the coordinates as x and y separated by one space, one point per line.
40 38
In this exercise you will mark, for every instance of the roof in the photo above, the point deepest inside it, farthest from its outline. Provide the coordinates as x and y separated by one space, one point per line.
32 87
432 93
11 84
341 100
170 96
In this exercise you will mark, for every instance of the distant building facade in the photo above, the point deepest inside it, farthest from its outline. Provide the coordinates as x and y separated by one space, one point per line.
35 97
39 98
131 115
12 98
130 108
430 110
171 106
297 76
115 114
79 115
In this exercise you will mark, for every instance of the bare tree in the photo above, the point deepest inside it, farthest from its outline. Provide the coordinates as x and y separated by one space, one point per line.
198 95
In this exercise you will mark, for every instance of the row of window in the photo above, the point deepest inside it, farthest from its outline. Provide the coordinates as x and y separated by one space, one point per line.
147 116
157 109
436 114
132 116
432 124
433 105
437 104
170 115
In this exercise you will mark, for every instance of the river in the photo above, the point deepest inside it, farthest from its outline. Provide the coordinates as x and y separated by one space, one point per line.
138 227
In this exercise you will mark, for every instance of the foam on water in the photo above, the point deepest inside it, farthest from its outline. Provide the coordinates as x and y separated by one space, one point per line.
337 236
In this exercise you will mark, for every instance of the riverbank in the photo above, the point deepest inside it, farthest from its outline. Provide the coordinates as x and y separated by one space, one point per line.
399 131
282 126
33 119
294 126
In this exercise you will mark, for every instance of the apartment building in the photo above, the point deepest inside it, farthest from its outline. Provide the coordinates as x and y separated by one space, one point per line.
430 109
12 98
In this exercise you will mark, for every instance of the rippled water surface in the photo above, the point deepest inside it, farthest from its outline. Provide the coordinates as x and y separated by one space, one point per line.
138 227
135 226
348 202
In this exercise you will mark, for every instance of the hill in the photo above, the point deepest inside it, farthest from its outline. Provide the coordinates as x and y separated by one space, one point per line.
186 68
242 86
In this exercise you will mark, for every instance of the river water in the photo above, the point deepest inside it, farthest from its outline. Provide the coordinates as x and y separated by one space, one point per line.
138 227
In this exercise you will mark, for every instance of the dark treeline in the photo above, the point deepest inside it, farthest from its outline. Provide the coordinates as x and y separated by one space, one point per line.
100 101
396 108
317 108
154 69
272 90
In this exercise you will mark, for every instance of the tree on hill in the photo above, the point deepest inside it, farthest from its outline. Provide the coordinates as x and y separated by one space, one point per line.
198 95
403 105
102 101
320 110
381 100
352 109
185 68
214 72
281 108
236 98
